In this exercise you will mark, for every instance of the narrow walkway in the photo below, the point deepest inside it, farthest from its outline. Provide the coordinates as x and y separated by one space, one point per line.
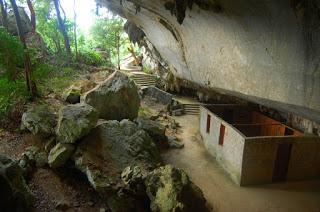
223 194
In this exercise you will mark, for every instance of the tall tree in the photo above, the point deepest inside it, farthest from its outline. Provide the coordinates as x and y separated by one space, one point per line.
33 15
62 27
27 61
4 14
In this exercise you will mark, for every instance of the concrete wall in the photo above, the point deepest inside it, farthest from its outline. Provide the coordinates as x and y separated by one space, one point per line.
305 159
251 160
260 153
258 160
230 154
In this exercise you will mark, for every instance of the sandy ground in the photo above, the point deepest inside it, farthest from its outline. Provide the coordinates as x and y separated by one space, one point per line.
222 194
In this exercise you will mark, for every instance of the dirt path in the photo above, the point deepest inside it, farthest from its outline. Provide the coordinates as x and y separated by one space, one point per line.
222 194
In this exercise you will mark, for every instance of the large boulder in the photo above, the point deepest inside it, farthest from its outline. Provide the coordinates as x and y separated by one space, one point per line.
26 23
170 189
59 154
156 130
111 147
14 192
116 98
40 120
75 121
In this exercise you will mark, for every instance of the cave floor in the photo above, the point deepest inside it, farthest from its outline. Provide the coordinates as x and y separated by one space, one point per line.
222 194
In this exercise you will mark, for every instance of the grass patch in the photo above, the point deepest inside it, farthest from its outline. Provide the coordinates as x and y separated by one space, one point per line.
52 79
48 79
144 112
11 93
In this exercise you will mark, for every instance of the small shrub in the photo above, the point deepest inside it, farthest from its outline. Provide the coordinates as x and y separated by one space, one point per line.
11 92
11 54
90 58
147 69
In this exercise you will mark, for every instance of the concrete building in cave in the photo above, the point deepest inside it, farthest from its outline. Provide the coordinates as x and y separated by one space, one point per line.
256 149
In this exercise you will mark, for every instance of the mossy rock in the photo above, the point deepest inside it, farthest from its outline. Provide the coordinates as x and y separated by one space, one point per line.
40 120
170 189
75 121
59 154
116 98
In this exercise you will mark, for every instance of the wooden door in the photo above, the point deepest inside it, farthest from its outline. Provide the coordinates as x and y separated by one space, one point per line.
282 162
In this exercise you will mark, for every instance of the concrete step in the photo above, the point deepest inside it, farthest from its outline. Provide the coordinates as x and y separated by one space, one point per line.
144 79
153 80
191 105
142 75
193 109
146 84
195 114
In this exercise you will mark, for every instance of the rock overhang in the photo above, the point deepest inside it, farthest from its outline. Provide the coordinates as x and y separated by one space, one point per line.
262 51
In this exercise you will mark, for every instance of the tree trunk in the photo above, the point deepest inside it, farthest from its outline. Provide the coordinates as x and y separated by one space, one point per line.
57 44
136 59
75 28
118 50
33 15
4 15
62 28
27 62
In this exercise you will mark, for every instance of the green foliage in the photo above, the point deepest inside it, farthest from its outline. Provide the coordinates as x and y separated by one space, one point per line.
108 35
147 69
47 26
10 93
11 53
90 58
52 79
48 78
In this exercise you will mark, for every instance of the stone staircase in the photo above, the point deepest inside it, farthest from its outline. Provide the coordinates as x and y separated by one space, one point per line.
143 79
191 109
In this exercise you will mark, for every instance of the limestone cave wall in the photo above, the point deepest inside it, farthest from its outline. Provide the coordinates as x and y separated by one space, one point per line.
264 51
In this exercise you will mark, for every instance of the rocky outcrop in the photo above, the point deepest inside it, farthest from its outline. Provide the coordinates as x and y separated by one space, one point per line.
237 47
116 98
59 154
156 130
135 33
111 147
26 23
75 121
33 158
40 120
14 193
170 189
